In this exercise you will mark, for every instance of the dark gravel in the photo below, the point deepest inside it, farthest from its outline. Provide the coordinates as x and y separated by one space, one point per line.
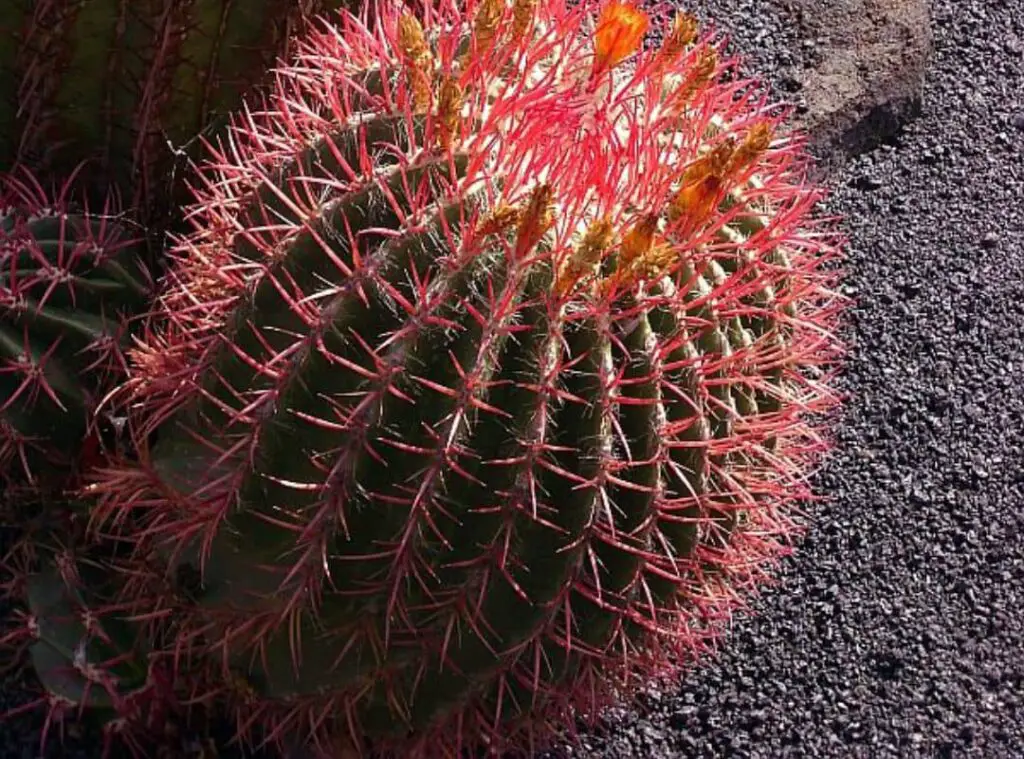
897 630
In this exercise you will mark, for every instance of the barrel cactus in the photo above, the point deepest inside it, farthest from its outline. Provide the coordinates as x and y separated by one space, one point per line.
116 82
70 280
485 385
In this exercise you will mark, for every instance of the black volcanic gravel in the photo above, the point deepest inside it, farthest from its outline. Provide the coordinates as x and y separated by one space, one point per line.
898 628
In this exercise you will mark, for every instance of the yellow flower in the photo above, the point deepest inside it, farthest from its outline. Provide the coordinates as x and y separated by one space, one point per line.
620 30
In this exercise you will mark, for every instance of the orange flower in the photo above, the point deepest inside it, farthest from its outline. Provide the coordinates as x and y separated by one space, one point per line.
620 29
697 200
638 241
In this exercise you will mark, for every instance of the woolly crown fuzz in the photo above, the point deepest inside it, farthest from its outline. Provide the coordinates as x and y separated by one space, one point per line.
484 388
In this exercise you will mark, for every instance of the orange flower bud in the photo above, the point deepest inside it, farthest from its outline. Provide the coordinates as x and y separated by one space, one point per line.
638 241
696 200
757 142
449 107
620 30
587 255
715 162
656 261
500 220
412 42
523 12
485 26
595 242
699 76
683 34
536 218
643 254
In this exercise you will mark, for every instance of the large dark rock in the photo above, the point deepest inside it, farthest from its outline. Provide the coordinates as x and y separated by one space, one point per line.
868 66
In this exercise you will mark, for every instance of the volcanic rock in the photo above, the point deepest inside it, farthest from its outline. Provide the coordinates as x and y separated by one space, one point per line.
867 67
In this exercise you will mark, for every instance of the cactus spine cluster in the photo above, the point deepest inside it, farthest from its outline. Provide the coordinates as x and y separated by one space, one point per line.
481 389
70 278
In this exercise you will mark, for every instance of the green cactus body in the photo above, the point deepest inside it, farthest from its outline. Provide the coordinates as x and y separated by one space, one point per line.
476 402
68 283
79 655
115 82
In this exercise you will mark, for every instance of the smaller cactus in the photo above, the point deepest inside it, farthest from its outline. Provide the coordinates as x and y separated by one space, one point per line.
82 651
69 280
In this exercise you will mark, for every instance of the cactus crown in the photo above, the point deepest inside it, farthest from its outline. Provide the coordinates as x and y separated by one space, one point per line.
482 384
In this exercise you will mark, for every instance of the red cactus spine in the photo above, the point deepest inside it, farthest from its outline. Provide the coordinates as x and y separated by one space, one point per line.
485 386
70 279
